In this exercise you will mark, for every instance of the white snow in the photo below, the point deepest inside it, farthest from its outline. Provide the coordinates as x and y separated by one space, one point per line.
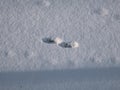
30 60
58 40
74 44
94 24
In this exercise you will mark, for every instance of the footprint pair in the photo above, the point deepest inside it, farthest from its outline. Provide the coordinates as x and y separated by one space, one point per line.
60 42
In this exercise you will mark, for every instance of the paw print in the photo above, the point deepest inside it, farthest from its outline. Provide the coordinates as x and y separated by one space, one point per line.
59 42
50 40
69 44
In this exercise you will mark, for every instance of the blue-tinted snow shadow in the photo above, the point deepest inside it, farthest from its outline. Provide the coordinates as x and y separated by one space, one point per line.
65 75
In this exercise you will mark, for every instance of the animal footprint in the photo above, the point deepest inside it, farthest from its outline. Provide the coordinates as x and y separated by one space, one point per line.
69 44
50 40
60 42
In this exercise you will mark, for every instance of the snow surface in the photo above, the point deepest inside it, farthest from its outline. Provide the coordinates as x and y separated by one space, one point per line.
29 63
81 79
94 24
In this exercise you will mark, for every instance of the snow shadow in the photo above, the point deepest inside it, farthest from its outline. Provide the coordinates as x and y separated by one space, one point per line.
61 75
65 45
48 40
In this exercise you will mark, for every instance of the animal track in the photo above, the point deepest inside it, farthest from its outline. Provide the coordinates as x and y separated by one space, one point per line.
60 42
50 40
69 44
65 45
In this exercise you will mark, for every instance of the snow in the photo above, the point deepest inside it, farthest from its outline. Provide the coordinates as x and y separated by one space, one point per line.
84 79
29 59
93 24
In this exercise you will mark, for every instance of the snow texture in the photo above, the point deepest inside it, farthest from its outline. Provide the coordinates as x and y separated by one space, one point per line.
37 40
81 79
94 24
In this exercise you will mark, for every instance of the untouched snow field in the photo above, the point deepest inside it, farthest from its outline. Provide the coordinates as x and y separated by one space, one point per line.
29 62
